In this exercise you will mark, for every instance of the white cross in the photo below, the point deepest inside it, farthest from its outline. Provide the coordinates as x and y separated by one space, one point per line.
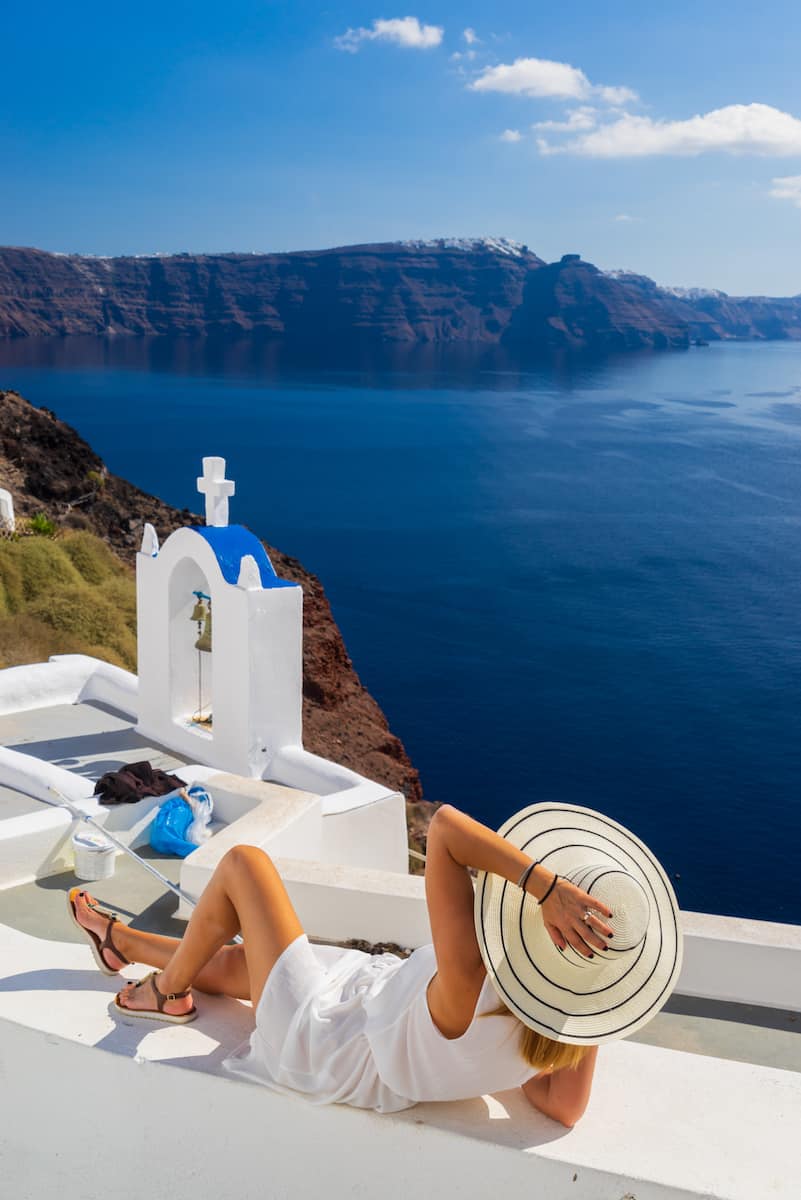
216 488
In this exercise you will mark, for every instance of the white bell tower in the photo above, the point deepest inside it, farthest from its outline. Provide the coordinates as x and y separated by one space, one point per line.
235 705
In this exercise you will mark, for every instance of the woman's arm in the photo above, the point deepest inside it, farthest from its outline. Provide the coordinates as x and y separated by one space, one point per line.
467 843
563 1095
455 843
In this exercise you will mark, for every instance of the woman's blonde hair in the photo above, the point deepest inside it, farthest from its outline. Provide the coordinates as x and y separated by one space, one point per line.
541 1052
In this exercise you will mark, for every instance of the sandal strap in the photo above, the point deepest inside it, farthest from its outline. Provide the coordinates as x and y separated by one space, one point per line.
163 997
98 908
108 944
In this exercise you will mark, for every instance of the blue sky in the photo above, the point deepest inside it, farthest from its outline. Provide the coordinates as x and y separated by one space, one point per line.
661 138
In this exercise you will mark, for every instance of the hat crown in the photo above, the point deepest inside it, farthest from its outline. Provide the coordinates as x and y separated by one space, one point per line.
619 890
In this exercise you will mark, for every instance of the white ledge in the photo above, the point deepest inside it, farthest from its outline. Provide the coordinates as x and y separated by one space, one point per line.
67 679
661 1124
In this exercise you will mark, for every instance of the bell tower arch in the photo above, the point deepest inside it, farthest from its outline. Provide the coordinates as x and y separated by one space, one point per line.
251 680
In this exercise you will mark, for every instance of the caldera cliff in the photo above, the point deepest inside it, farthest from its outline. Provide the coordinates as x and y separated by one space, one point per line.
484 292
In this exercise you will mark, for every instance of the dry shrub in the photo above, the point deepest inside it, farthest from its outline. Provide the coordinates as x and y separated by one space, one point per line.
90 616
11 587
40 565
121 592
24 639
93 559
73 596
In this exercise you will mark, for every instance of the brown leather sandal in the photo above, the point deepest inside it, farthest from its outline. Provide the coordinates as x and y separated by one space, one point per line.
97 945
157 1013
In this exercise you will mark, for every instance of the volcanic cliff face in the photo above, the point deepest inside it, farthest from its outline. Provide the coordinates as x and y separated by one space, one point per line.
573 305
476 292
47 466
758 317
393 293
716 316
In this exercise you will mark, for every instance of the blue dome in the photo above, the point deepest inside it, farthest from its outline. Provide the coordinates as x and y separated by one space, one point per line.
230 544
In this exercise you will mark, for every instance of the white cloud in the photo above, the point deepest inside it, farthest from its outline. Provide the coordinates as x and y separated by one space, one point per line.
736 129
615 95
626 218
470 36
400 31
511 135
787 187
577 119
541 77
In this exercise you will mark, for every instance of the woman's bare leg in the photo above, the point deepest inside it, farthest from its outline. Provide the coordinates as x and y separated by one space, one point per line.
245 895
225 975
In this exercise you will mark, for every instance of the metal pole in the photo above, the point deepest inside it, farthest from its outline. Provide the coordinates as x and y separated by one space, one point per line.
80 816
173 887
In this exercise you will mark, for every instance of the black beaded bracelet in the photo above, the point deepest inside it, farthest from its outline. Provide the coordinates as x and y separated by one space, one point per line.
550 889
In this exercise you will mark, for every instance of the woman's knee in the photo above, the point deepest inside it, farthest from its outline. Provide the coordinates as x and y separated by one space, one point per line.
245 859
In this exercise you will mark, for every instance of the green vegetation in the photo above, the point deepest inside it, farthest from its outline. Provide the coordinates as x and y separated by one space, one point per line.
40 523
66 596
96 479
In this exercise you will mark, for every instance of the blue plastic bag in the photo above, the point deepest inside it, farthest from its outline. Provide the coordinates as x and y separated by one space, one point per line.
180 824
168 830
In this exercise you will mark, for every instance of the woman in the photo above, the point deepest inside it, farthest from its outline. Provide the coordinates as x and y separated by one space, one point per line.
528 972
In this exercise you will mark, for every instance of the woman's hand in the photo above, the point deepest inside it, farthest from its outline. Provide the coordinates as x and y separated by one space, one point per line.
461 842
573 917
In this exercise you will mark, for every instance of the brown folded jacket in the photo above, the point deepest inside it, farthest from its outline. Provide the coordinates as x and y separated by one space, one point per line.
133 782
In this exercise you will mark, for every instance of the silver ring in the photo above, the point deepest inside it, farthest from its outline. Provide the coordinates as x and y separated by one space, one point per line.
586 917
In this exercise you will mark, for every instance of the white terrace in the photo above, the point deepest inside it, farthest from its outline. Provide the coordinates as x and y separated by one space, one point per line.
706 1101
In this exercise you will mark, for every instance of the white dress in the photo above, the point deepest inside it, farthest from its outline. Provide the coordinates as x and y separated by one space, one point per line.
344 1027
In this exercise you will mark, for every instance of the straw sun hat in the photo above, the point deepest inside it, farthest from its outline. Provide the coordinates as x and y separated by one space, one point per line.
560 993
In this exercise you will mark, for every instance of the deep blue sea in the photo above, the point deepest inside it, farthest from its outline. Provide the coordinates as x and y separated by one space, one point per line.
579 581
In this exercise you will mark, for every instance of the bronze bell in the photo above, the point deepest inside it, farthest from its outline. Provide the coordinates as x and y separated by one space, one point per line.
204 641
199 611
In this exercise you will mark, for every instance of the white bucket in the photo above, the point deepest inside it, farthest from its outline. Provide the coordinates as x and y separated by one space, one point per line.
94 856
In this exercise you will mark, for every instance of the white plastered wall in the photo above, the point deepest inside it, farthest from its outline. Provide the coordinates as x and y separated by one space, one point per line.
67 679
7 520
254 670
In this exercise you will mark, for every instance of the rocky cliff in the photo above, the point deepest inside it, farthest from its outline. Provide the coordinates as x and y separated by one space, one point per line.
476 292
716 316
393 293
573 305
48 467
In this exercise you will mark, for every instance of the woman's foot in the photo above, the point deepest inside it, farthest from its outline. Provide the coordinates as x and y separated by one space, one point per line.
150 998
97 924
